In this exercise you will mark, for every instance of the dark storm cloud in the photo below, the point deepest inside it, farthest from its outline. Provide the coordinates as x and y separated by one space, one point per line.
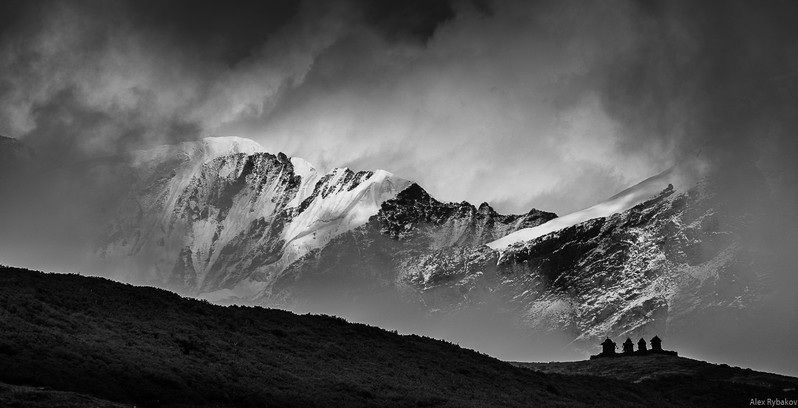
500 104
573 101
555 105
229 32
703 76
116 75
407 20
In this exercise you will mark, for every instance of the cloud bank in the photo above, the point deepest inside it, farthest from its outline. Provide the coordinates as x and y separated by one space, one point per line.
555 105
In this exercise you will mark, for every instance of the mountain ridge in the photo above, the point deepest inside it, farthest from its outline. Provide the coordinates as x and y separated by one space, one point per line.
228 197
250 227
225 222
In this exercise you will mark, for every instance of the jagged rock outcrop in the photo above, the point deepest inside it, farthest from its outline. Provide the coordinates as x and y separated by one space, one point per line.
398 249
414 216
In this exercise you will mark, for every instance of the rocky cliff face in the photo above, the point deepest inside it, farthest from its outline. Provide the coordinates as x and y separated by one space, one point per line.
415 217
224 222
632 273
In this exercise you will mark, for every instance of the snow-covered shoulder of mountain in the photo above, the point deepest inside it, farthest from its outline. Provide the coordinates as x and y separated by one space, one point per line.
618 203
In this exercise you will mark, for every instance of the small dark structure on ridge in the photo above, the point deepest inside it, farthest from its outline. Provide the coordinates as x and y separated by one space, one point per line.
628 346
656 344
608 348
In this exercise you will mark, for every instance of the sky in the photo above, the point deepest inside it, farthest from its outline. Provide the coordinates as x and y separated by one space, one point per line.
545 104
555 105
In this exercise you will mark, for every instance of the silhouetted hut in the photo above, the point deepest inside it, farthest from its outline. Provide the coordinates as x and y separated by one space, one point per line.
628 346
656 344
641 345
608 347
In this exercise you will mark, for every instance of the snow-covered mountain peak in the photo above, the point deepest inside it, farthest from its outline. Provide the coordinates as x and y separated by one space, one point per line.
302 167
221 212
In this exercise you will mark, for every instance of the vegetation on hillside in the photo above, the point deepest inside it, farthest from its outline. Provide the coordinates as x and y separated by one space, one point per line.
146 346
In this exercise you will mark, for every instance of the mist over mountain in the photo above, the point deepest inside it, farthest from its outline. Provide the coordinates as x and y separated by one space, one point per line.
520 177
574 101
225 221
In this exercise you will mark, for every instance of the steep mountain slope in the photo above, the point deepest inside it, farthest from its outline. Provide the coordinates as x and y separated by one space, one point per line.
662 266
222 218
149 347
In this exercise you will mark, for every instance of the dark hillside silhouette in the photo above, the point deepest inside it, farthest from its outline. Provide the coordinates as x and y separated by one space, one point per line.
145 346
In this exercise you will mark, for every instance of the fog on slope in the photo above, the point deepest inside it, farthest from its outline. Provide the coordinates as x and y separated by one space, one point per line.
761 338
52 215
